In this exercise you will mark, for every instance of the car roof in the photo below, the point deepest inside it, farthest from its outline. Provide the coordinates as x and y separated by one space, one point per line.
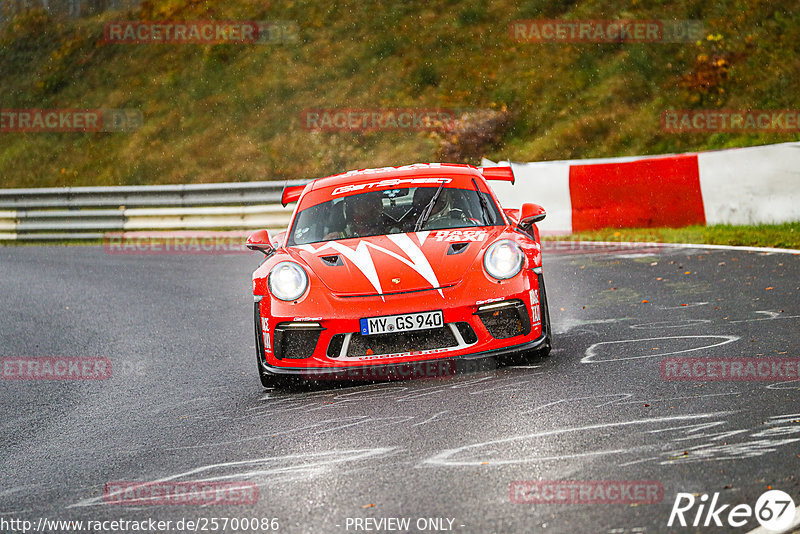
452 175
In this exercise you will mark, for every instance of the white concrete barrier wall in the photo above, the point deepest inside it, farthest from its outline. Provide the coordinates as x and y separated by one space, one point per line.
751 185
741 186
545 183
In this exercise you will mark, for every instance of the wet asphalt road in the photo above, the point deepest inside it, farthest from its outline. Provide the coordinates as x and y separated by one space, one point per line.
184 401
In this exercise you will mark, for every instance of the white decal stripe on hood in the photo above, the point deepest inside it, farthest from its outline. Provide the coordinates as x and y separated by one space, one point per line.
362 259
419 262
310 248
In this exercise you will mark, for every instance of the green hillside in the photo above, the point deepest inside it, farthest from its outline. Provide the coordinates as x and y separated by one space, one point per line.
231 112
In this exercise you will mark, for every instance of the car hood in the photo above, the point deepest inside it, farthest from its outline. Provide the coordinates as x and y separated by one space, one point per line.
396 263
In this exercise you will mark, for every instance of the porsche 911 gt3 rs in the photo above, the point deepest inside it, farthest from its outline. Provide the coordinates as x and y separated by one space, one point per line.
398 266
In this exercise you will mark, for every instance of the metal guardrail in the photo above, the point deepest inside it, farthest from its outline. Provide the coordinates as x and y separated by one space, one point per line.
242 193
92 212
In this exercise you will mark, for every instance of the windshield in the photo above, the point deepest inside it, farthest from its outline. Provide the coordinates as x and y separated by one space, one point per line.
393 211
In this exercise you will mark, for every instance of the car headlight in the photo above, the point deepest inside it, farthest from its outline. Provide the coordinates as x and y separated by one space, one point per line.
503 259
287 281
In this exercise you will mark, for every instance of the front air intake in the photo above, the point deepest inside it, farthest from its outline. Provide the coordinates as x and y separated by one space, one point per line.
505 319
296 340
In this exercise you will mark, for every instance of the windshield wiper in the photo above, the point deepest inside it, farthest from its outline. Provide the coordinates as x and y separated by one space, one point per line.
487 213
428 209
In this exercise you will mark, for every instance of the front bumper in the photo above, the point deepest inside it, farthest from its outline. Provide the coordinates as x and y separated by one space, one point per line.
295 340
440 367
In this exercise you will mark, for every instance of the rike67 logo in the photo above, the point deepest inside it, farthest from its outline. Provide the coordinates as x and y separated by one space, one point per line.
774 510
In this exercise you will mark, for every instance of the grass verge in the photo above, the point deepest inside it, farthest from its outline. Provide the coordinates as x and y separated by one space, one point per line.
763 235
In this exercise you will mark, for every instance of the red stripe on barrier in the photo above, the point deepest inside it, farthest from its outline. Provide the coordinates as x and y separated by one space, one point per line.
645 193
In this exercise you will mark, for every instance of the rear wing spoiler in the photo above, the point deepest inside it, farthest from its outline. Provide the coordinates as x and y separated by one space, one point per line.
291 193
504 174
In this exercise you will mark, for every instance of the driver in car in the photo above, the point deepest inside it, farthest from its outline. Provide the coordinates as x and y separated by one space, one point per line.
444 213
364 217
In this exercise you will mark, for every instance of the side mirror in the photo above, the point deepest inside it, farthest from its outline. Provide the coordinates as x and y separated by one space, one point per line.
531 213
259 240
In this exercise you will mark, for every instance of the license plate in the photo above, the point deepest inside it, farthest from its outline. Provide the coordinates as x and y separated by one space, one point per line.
406 322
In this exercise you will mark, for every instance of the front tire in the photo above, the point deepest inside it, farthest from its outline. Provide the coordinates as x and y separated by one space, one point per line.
548 328
544 312
268 380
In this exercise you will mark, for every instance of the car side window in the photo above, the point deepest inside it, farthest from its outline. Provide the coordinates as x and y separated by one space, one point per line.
336 221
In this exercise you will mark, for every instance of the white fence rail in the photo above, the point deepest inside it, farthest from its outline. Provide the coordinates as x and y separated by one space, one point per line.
92 212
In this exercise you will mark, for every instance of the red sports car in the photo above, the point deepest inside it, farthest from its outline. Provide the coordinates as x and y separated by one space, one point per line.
397 271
